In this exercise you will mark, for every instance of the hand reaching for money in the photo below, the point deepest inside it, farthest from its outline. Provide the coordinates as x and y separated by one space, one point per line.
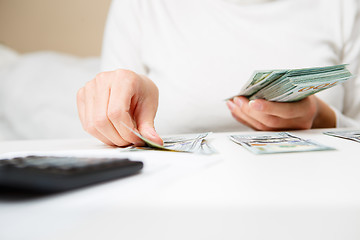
115 97
264 115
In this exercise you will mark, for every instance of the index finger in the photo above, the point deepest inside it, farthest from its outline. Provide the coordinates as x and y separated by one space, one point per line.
120 109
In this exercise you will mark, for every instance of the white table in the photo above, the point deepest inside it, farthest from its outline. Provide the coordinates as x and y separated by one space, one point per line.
232 195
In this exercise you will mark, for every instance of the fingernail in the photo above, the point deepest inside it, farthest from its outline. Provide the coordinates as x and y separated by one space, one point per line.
238 101
255 105
230 105
153 132
154 136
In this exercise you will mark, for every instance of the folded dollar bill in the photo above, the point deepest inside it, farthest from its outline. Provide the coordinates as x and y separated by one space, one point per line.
353 135
280 142
194 143
292 85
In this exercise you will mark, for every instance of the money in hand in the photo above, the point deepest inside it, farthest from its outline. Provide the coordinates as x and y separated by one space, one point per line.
195 143
292 85
281 142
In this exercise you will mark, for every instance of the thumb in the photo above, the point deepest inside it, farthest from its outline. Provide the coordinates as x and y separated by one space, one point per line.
147 130
145 122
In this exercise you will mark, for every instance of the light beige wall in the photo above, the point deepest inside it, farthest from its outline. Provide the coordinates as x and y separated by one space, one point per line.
71 26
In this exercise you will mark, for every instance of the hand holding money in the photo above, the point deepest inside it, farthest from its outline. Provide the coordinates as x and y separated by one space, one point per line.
292 85
281 99
264 115
115 97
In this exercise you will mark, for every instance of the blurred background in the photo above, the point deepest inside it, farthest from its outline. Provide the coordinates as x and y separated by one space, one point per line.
48 50
69 26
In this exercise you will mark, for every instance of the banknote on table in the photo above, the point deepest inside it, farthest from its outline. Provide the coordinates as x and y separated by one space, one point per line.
353 135
279 142
194 143
290 85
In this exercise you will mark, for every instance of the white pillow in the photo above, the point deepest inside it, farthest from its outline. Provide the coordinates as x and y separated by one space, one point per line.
8 57
39 94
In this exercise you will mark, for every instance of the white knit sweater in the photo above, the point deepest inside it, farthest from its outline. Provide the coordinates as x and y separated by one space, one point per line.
200 52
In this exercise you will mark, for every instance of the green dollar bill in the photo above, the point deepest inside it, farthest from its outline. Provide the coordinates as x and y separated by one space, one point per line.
293 84
353 135
280 142
194 143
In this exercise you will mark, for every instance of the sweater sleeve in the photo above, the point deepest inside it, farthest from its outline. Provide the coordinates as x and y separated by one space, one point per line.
122 38
350 116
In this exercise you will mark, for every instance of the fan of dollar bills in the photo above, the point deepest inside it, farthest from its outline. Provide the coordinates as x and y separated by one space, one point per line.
293 84
194 143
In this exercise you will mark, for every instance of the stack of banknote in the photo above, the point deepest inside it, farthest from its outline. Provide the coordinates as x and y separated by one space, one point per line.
292 85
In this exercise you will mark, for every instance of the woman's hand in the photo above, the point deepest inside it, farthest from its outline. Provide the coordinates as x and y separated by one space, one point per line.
115 97
264 115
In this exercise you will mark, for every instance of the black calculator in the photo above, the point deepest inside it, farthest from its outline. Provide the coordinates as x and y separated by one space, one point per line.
46 174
